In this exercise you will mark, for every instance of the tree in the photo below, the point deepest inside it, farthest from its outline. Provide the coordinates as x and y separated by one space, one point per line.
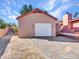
46 11
76 14
26 8
30 7
12 25
2 23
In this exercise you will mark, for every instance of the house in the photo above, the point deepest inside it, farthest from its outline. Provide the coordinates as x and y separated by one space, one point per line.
69 27
36 23
75 24
69 23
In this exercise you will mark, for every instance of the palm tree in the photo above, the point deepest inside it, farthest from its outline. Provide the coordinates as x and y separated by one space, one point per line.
26 8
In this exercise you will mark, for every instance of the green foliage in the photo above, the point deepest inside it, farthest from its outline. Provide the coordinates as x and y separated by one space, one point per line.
2 24
15 29
76 14
26 8
13 26
30 7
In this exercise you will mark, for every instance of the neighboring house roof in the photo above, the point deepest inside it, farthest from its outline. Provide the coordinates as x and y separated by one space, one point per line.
37 10
74 20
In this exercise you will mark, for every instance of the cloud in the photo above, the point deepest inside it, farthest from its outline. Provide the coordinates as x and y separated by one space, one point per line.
66 1
12 16
16 13
8 2
59 10
2 11
0 7
77 4
7 11
48 5
8 8
13 2
3 5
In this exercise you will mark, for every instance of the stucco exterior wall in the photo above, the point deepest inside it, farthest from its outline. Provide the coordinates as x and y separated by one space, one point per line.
76 24
65 20
3 31
27 24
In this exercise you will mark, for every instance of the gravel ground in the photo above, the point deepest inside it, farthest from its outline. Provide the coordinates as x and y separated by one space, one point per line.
34 48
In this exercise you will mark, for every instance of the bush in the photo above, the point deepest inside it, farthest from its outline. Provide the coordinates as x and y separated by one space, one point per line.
15 29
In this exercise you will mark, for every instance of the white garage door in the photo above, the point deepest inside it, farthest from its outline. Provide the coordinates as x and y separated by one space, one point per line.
43 29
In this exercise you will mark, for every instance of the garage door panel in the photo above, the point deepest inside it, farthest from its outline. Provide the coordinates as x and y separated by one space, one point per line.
43 29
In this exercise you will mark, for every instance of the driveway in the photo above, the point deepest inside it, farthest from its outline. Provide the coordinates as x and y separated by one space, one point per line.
59 39
3 43
65 39
26 47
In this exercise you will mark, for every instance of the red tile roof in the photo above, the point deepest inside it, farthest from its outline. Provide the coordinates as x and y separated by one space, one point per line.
36 10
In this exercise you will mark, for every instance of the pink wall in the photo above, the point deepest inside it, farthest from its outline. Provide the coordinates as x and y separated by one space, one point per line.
27 24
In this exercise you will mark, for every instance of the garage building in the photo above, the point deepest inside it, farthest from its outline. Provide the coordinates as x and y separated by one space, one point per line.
36 23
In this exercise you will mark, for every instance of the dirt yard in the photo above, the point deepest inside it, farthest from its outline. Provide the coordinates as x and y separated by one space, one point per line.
34 48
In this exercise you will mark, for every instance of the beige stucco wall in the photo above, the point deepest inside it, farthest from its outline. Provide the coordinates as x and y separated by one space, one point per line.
66 19
27 24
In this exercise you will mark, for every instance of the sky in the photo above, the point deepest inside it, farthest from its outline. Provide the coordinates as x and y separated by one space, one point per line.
9 9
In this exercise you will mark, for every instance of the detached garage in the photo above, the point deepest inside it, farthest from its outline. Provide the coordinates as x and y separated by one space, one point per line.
36 23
